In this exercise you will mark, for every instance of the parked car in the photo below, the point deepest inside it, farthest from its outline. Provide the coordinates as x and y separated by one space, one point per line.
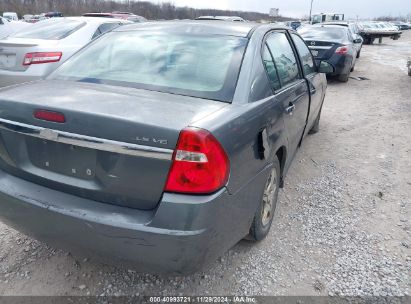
293 24
27 17
40 48
148 148
353 28
36 18
118 15
53 15
11 16
402 26
389 27
370 31
334 44
221 18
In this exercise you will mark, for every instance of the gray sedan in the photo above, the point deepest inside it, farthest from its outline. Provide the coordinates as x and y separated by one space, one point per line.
159 145
39 49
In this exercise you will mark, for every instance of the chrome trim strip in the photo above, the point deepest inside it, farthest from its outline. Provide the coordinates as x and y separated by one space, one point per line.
86 141
319 47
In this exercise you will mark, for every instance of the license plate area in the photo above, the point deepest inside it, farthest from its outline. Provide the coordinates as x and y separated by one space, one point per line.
7 61
61 158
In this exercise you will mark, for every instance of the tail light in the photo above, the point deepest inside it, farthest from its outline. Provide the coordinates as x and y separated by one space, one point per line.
342 50
37 58
200 164
49 116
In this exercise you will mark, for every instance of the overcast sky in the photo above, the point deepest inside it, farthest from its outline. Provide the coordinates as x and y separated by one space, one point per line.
298 8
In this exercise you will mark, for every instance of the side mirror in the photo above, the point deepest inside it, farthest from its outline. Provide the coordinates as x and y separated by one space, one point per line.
325 67
358 40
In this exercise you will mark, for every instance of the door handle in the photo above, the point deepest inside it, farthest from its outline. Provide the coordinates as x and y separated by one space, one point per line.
313 91
289 110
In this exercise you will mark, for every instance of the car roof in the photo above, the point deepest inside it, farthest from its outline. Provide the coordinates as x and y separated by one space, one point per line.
340 23
227 28
328 25
92 20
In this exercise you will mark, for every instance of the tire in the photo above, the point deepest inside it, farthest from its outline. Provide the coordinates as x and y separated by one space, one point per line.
359 54
316 126
344 77
264 215
409 71
352 69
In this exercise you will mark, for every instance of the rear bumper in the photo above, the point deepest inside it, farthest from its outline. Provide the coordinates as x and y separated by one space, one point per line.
180 236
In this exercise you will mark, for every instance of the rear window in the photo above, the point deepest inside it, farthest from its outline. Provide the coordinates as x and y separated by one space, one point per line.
52 29
324 33
204 66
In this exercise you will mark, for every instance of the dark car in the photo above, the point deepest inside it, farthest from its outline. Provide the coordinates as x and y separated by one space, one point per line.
402 26
293 24
355 32
162 145
334 44
53 15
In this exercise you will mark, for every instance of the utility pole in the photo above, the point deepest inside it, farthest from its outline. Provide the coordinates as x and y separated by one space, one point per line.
311 9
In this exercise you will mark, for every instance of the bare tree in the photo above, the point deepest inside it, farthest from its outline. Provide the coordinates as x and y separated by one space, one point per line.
143 8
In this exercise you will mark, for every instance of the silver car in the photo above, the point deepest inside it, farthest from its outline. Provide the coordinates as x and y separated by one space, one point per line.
36 51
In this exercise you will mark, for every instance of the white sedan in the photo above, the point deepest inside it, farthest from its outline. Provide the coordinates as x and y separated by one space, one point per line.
39 49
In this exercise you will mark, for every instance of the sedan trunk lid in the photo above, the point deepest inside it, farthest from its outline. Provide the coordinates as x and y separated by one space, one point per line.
115 145
322 50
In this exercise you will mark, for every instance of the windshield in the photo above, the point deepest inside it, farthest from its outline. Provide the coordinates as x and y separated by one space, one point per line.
51 29
323 33
194 65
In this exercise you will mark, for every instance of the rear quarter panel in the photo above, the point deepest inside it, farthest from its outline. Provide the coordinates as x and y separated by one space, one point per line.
238 125
237 128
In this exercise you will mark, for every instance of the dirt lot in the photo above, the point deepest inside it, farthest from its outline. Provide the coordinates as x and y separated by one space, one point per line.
343 224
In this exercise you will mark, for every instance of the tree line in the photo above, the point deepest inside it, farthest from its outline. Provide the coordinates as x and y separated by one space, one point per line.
146 9
391 18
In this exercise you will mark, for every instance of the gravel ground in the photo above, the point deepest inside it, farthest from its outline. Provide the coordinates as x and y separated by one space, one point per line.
342 226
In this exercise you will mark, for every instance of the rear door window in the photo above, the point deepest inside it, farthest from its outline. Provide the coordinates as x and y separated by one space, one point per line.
305 55
284 58
52 29
271 69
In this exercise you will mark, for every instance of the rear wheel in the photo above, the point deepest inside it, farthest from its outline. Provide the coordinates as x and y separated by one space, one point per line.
359 54
409 71
264 215
344 77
